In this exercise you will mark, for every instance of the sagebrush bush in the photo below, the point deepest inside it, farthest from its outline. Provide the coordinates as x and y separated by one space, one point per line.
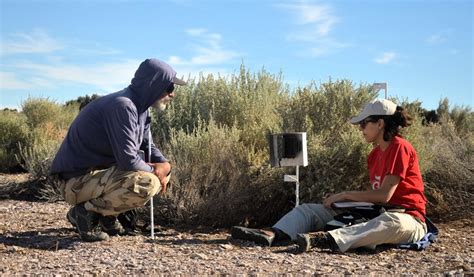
13 130
209 173
43 124
48 122
449 181
215 135
245 101
337 150
40 111
461 116
416 134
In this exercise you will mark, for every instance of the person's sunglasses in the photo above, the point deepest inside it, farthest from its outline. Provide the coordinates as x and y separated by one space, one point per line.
170 88
364 122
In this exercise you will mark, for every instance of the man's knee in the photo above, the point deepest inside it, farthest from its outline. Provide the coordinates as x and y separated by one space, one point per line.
146 185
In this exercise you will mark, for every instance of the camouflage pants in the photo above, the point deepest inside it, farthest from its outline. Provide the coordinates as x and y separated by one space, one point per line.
110 191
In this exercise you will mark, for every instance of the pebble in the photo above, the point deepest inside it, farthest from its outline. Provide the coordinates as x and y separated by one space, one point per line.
226 246
199 256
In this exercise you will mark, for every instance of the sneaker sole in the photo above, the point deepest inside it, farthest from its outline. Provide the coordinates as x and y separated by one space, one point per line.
238 233
304 244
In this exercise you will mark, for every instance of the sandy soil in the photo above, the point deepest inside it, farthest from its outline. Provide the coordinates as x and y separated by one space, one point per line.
35 238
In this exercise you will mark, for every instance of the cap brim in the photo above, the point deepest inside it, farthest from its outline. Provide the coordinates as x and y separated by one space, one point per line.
357 119
178 81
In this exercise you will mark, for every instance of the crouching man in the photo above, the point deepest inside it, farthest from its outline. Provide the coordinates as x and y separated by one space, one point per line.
99 165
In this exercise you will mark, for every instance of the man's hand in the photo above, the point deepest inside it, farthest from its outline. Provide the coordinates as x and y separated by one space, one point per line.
334 198
161 171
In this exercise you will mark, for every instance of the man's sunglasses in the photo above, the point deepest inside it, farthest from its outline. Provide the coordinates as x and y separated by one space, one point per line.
364 122
170 88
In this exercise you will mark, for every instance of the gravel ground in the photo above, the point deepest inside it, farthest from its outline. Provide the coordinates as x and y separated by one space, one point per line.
35 238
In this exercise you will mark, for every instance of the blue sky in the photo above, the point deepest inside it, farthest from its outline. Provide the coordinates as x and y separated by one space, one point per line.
65 49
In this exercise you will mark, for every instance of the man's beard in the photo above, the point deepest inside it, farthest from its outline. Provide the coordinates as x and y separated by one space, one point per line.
161 104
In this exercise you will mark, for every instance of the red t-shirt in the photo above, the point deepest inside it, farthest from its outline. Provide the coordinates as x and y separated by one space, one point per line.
399 159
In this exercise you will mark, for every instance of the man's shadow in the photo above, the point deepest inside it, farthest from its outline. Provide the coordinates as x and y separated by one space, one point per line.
51 239
161 234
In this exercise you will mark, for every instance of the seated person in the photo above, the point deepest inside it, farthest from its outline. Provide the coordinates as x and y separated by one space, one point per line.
395 178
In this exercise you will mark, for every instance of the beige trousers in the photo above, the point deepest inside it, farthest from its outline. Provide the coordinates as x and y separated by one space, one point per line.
110 191
387 228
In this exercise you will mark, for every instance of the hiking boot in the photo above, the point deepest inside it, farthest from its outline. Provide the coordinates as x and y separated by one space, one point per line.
86 223
111 225
322 240
259 236
71 214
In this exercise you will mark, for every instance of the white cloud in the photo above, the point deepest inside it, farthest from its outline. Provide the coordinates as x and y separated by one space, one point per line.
315 24
52 71
208 50
39 41
385 58
318 20
435 39
326 46
195 32
36 42
106 76
9 80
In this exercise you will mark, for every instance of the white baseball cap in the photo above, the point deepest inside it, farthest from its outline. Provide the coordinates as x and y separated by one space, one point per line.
375 107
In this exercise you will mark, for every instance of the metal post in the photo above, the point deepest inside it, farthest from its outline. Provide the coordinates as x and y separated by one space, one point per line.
297 189
296 179
378 86
151 199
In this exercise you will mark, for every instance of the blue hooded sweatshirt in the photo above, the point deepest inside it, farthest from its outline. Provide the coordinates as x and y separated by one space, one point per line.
112 129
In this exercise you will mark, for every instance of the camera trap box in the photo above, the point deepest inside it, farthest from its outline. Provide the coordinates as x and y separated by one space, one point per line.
288 149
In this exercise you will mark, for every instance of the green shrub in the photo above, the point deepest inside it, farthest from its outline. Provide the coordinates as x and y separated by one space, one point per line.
337 151
416 133
47 124
210 181
13 130
215 134
40 111
461 116
336 163
449 181
325 109
245 101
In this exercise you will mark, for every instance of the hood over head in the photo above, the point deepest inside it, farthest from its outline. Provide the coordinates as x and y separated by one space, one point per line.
150 82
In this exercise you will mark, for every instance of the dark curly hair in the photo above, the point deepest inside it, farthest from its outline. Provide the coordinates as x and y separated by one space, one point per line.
393 123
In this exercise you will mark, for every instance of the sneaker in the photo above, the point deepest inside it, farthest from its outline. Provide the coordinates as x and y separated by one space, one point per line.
259 236
86 224
322 240
111 225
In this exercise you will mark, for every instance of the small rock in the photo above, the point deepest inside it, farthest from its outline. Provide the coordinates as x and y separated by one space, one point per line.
226 246
199 256
12 248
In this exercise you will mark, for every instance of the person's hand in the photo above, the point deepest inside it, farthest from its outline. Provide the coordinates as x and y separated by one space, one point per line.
333 198
162 171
